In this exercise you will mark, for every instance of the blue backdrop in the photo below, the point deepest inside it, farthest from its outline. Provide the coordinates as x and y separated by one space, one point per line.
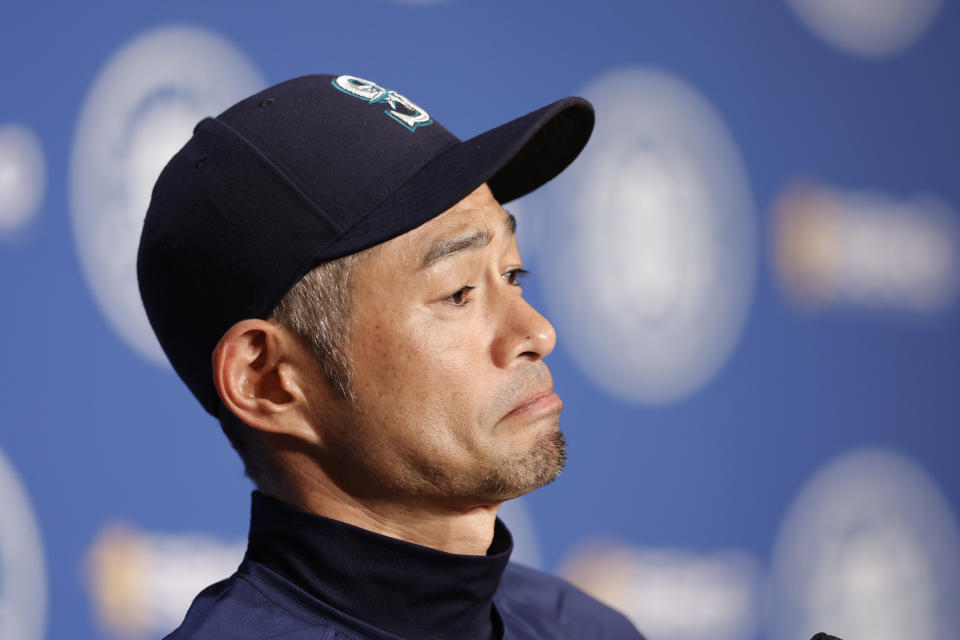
752 271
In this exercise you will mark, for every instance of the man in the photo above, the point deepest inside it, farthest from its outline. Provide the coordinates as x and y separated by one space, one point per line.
332 275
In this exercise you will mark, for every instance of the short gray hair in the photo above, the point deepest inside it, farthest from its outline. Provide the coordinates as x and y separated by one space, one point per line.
317 310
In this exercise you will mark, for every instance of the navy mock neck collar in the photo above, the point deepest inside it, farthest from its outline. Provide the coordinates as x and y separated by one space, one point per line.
411 591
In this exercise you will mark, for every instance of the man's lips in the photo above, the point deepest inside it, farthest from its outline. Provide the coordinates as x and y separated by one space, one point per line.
539 404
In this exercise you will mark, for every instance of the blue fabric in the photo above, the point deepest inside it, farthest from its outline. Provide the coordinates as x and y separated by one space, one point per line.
270 595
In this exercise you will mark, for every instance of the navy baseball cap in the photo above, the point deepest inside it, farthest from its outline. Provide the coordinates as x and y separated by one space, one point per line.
307 171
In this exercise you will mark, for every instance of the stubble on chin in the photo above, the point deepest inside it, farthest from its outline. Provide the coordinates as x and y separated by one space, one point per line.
520 474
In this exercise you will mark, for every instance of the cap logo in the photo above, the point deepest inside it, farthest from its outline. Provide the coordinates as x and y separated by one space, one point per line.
402 109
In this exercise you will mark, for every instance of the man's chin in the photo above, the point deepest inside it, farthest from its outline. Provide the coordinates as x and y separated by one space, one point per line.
519 475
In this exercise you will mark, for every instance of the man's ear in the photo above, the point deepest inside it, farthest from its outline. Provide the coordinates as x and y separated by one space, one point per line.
258 370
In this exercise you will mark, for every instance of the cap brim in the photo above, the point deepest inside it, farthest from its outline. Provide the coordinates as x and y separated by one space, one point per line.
514 159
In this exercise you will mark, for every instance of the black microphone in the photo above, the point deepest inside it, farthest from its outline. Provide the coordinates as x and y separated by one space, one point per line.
824 636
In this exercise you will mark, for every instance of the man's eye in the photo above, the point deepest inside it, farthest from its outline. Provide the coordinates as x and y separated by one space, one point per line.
515 277
459 297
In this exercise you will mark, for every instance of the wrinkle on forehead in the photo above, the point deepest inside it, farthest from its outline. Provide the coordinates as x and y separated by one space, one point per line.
463 233
470 224
480 200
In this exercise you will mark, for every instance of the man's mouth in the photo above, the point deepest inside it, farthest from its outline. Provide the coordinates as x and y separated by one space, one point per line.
538 404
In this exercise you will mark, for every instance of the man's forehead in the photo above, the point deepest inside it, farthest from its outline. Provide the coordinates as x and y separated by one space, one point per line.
478 211
490 216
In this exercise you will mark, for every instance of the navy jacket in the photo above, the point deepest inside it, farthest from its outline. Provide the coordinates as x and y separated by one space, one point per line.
308 577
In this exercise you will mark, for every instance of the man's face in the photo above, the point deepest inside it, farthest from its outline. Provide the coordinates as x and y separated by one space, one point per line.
453 402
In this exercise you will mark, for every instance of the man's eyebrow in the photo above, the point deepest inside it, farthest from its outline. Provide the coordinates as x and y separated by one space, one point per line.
446 247
511 223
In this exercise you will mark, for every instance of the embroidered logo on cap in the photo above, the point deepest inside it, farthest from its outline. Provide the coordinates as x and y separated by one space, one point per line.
402 109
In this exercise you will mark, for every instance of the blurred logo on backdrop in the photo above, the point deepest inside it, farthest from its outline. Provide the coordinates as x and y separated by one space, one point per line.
141 109
22 177
651 243
866 249
871 28
672 594
141 583
23 573
869 549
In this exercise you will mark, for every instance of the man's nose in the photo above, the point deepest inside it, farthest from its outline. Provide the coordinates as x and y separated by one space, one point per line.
525 334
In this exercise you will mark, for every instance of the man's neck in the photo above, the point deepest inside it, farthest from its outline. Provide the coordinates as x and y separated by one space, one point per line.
465 531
